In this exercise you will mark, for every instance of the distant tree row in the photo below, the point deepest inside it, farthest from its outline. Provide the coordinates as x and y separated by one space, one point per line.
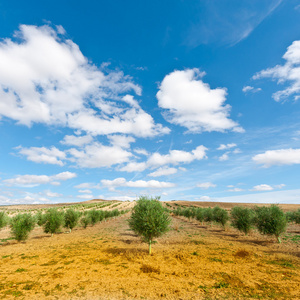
53 220
269 220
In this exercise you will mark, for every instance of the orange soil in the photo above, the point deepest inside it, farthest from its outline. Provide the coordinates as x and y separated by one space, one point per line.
191 261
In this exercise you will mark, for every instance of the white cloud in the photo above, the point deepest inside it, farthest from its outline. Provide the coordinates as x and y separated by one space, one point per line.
204 198
249 88
121 182
193 104
43 155
121 140
227 146
85 196
141 151
206 185
97 155
85 191
52 195
235 190
134 167
163 172
35 180
278 157
262 188
120 198
44 78
224 157
289 72
78 141
177 156
86 185
174 157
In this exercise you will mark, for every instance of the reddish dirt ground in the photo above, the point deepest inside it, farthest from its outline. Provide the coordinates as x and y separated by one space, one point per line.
192 261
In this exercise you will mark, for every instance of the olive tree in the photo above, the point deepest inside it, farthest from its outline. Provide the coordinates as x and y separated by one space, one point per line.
54 220
21 225
242 219
149 219
4 219
271 220
71 218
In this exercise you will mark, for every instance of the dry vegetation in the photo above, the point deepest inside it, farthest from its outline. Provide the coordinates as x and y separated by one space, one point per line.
192 261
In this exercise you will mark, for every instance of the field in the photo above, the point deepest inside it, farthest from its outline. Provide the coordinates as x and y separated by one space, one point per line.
192 261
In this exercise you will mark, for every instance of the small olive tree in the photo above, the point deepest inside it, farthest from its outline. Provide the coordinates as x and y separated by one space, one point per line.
71 218
21 225
4 219
242 219
220 215
270 220
149 219
54 220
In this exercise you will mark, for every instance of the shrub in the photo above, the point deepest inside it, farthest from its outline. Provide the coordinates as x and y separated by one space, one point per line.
40 218
94 216
21 225
85 220
4 219
149 219
54 220
242 219
220 215
71 218
200 214
208 214
270 220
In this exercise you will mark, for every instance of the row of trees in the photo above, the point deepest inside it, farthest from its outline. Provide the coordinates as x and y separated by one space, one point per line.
53 220
268 220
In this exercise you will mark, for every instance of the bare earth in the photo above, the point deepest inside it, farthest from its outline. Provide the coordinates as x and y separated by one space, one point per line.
192 261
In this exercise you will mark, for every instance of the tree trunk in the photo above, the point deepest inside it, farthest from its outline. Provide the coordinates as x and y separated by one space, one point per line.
150 247
278 239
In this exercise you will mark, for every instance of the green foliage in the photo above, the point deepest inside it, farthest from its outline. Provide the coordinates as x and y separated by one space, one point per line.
40 218
149 219
71 218
293 216
208 214
21 225
270 220
4 219
200 214
94 216
242 218
220 215
85 220
54 220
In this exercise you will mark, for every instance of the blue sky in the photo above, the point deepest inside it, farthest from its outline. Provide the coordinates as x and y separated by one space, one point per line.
193 100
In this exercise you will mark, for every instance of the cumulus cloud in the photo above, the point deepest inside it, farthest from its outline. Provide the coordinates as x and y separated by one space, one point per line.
35 180
235 190
79 141
224 157
262 188
85 191
122 182
174 157
97 155
44 78
288 72
43 155
177 156
206 185
249 88
227 146
278 157
191 103
86 185
121 140
163 172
